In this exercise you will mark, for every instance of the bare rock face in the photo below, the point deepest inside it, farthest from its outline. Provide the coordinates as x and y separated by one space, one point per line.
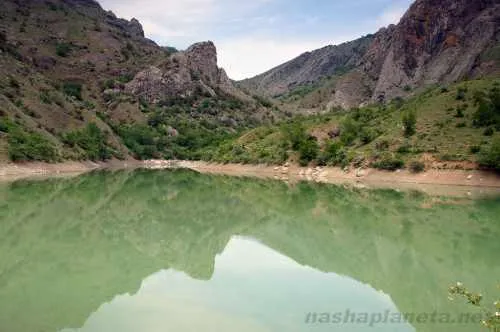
308 68
437 41
183 75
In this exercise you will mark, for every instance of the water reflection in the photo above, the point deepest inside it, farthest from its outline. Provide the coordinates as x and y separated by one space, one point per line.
253 289
146 247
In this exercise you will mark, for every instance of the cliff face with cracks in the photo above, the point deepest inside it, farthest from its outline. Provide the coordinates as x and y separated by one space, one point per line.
436 42
184 74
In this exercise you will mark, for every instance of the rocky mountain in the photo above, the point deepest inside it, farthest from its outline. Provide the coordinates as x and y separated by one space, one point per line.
309 68
67 63
436 42
184 74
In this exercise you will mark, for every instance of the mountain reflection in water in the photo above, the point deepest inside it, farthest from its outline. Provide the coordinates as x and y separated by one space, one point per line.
180 251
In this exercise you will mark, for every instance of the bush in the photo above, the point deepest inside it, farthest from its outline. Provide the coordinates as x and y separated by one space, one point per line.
349 131
367 135
382 145
491 157
389 163
459 113
91 140
461 94
63 49
73 89
489 131
488 112
333 154
403 149
295 133
24 146
308 151
475 149
45 97
409 123
416 166
461 125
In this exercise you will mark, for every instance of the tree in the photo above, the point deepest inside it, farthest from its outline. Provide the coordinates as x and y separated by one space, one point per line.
409 123
491 157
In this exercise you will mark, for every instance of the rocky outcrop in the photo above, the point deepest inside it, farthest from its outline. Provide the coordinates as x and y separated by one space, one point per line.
183 75
308 68
436 42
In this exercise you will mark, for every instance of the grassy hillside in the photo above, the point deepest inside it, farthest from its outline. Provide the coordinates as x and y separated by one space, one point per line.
448 127
63 68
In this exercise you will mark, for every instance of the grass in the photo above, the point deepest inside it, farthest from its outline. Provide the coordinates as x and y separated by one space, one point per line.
386 136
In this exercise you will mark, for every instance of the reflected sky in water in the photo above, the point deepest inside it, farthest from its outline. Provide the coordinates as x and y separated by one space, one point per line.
253 288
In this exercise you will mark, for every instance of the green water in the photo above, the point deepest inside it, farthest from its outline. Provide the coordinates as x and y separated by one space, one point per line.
161 251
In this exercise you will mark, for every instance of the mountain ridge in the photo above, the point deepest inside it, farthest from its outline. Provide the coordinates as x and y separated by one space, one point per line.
435 42
66 64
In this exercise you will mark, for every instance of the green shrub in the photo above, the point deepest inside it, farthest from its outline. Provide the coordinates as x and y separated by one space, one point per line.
333 154
382 145
63 49
491 157
389 163
488 112
73 89
461 125
308 150
24 146
349 131
409 123
367 135
45 97
91 140
459 113
461 93
475 149
405 148
489 131
295 133
416 166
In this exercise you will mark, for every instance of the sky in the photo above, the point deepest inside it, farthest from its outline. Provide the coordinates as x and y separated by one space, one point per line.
256 35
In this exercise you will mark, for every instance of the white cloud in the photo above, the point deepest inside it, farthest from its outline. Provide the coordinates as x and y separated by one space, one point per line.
249 56
166 20
248 39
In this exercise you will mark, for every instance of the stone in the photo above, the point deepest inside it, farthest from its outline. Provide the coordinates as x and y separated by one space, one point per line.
360 173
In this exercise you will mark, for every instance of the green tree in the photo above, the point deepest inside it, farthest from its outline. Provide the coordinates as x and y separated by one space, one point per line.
491 157
409 123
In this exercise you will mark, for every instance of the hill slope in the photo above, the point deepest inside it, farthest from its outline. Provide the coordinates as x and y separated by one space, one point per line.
77 82
308 68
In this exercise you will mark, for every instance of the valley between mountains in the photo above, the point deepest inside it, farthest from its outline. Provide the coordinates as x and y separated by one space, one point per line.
79 84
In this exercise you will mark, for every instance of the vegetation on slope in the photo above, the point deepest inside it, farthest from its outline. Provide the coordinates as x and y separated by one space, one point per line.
452 126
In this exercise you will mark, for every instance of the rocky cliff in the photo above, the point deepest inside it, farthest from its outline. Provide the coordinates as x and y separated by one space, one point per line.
67 63
183 74
436 42
309 68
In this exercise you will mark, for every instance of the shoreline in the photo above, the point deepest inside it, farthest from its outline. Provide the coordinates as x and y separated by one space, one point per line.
433 181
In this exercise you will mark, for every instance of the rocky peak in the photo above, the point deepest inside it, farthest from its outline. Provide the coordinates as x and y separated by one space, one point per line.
202 61
184 74
436 42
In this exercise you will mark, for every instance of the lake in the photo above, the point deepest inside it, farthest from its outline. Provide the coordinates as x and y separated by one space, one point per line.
175 250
